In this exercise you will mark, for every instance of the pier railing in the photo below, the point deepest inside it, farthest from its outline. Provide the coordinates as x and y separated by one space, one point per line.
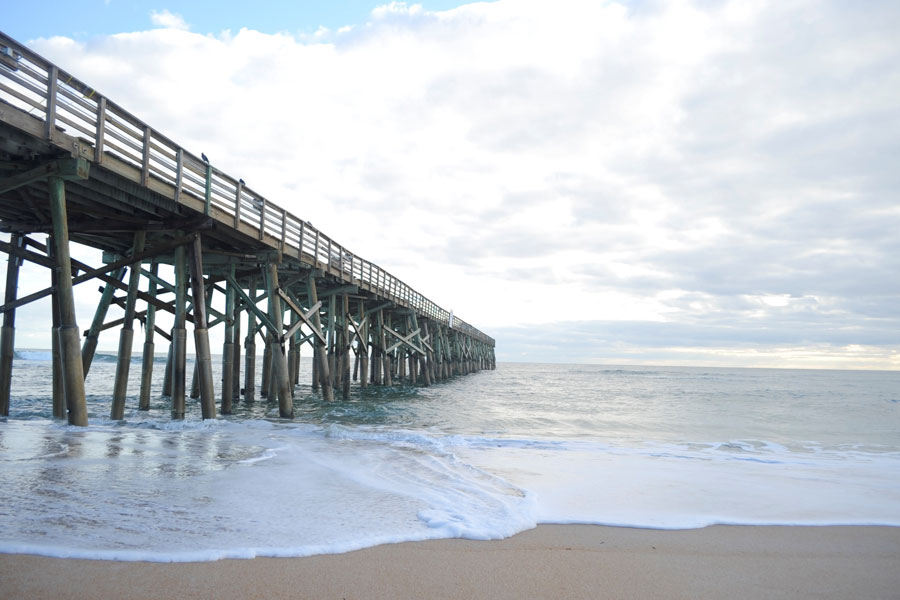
109 133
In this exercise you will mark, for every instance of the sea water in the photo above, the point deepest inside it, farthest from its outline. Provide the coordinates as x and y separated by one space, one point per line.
482 456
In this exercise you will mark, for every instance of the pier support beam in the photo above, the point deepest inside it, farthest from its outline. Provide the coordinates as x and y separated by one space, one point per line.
58 394
179 335
236 359
126 336
279 361
250 348
363 346
89 347
335 373
149 347
345 346
201 333
320 357
424 361
266 378
70 347
228 348
167 375
8 333
377 347
294 352
386 356
295 374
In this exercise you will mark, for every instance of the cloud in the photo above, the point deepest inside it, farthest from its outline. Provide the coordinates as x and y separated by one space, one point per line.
672 164
168 20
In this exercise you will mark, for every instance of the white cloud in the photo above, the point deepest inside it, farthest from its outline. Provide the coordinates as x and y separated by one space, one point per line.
522 162
169 20
396 9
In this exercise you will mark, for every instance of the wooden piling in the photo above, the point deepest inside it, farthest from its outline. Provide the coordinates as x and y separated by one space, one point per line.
345 346
58 396
279 361
266 379
228 348
427 362
387 368
335 373
201 333
315 368
423 360
8 332
250 347
167 375
377 347
295 373
70 347
321 359
294 351
236 359
272 388
363 349
195 380
126 335
148 356
179 335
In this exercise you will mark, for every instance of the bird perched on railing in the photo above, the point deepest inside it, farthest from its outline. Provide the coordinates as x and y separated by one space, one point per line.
242 182
203 156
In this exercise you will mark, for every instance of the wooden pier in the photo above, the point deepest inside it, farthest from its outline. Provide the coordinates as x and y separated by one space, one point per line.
177 233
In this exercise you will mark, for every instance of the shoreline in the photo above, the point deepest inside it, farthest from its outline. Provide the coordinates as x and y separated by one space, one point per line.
550 561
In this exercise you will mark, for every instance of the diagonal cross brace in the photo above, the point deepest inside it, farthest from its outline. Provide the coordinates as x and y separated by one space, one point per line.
304 317
251 305
404 340
357 326
424 340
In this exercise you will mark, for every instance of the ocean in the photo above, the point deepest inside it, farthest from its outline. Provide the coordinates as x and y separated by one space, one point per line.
482 456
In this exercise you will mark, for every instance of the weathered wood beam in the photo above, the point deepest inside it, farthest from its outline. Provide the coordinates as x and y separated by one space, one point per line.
304 317
8 334
201 333
66 168
250 341
251 305
126 337
404 340
279 360
70 348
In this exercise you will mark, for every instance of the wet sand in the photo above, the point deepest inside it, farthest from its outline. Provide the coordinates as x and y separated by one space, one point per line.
552 561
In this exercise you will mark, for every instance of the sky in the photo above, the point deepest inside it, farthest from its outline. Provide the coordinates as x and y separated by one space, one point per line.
688 182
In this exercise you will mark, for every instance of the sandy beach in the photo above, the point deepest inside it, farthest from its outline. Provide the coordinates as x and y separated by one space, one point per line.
551 561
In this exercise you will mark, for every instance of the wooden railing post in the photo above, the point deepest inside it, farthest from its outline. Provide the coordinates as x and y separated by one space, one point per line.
262 218
179 173
52 87
208 191
237 205
145 159
101 130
